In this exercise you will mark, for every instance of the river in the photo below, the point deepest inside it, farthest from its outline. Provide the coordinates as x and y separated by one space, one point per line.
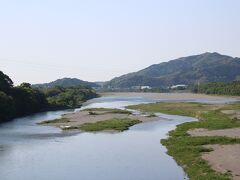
32 152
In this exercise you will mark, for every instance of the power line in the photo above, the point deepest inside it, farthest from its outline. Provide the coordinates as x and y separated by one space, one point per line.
46 67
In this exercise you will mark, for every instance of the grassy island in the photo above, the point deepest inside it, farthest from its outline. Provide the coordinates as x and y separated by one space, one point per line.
97 119
115 124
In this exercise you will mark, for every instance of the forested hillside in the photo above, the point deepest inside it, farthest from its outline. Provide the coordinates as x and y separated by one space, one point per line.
66 82
206 67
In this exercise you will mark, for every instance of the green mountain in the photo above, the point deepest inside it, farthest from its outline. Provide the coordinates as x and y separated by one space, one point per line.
207 67
66 82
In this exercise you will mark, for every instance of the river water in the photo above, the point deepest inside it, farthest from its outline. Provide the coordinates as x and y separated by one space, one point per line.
33 152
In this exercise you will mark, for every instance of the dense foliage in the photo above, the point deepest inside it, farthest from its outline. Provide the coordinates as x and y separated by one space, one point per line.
231 88
19 100
24 99
70 97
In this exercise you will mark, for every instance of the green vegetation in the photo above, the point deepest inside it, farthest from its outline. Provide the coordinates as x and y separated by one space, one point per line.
184 109
151 115
94 113
187 152
24 99
99 111
186 149
117 124
220 88
70 97
61 120
20 100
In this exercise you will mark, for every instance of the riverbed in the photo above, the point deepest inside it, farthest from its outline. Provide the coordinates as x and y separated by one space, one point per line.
30 151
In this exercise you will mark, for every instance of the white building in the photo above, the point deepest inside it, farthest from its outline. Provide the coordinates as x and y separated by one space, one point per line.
182 86
145 87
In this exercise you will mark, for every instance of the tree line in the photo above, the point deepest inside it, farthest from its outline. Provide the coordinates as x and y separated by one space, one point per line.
16 101
219 88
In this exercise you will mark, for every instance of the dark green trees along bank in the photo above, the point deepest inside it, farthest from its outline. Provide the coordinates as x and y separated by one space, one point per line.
23 100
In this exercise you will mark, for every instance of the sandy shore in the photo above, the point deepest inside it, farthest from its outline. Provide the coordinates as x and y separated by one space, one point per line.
232 113
232 133
224 158
174 96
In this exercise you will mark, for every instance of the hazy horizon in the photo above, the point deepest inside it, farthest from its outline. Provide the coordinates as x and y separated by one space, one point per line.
96 41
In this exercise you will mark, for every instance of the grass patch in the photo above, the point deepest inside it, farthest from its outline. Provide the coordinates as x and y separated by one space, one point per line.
152 115
117 124
100 111
93 113
187 150
184 109
60 120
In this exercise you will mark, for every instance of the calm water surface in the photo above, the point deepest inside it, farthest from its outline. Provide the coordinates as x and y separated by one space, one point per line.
32 152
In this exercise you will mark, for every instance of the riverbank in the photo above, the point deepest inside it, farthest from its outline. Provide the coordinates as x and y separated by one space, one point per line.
190 151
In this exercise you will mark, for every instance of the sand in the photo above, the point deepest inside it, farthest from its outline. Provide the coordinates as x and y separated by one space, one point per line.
224 158
175 96
233 113
82 117
232 133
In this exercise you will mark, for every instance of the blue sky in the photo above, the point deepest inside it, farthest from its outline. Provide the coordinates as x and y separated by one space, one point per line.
97 40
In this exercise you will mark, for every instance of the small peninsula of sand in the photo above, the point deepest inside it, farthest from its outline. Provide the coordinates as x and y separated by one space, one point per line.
76 119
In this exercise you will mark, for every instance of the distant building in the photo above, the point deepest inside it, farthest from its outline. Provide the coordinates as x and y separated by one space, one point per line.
145 87
179 86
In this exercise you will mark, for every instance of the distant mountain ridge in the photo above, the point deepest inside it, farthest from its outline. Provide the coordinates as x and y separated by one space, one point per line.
206 67
66 82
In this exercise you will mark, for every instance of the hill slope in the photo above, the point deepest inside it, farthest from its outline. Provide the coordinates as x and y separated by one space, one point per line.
66 82
207 67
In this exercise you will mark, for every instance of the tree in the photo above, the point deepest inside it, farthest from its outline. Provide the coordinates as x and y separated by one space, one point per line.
5 82
7 108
